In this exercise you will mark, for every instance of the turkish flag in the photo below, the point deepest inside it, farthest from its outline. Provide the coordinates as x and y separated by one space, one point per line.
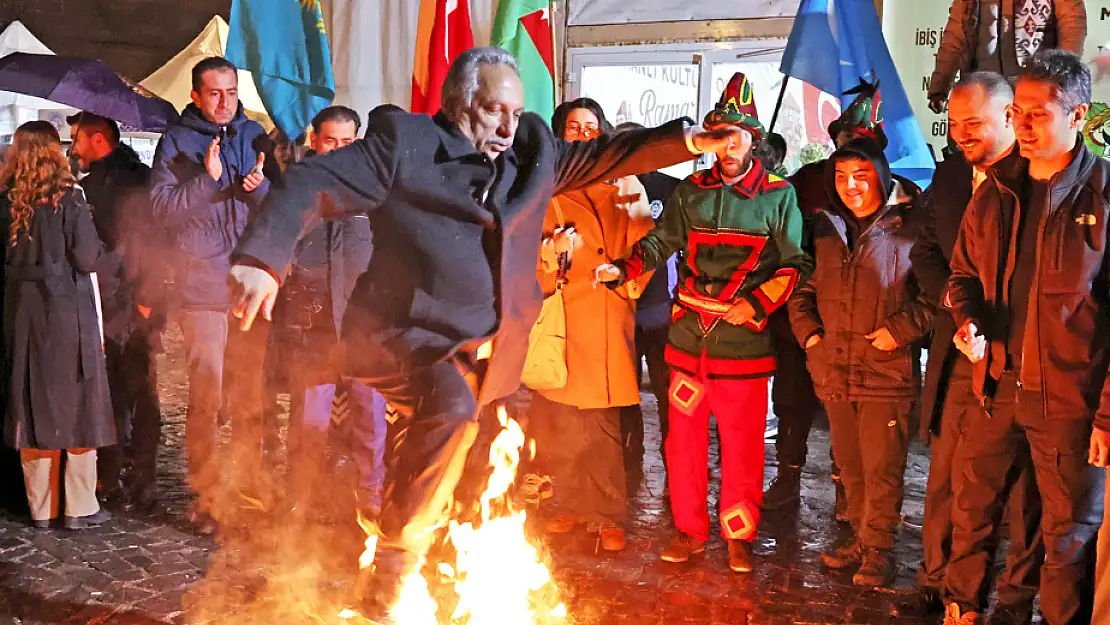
443 32
821 109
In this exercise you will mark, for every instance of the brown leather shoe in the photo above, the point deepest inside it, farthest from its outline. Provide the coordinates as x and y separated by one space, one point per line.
681 548
561 524
740 556
613 538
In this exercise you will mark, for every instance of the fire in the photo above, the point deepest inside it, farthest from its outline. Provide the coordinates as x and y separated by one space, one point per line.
498 575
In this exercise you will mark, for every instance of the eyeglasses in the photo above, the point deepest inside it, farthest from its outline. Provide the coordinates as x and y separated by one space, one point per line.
583 132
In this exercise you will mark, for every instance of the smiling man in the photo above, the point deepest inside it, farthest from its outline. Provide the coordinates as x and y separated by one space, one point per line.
860 317
981 125
1029 294
456 205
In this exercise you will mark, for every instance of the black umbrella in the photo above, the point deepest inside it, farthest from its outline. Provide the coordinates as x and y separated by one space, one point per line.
86 84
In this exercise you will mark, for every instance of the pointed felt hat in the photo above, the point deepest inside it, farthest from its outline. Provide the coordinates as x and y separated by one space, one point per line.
864 116
737 107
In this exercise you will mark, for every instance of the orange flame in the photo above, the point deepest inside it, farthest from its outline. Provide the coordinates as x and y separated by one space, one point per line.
498 576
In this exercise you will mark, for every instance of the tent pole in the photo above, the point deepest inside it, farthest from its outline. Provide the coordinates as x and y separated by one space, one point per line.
778 104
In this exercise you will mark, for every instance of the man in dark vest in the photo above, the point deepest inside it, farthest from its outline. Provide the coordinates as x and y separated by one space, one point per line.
439 322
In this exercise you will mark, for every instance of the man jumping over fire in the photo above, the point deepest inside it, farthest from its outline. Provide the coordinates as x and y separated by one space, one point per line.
741 231
456 205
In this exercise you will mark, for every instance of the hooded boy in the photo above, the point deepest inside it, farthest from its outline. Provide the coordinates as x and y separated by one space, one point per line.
741 231
860 317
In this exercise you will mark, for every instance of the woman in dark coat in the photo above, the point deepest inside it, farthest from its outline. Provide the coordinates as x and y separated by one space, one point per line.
53 349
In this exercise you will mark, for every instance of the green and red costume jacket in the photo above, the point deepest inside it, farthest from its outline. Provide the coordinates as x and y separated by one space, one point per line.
741 242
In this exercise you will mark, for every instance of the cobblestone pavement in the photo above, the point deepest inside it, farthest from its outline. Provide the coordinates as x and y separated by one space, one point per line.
149 569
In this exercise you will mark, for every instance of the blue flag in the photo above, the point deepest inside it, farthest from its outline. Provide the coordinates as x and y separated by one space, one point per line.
833 44
284 44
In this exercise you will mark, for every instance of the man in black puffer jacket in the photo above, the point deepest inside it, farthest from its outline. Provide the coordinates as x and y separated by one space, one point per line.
206 184
860 318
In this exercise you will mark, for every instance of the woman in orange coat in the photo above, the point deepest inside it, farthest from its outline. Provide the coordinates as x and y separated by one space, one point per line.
577 427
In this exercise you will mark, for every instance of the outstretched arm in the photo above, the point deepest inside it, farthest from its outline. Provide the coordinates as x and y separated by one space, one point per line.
582 163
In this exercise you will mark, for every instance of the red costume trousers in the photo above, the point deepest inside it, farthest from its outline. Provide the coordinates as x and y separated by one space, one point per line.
740 406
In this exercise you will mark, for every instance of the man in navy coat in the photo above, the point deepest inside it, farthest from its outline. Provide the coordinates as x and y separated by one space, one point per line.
439 322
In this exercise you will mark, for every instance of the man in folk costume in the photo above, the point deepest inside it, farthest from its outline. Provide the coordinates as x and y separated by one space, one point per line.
741 231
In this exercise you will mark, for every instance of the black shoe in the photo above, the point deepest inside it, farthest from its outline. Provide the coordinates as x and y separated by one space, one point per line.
1011 615
142 499
96 519
42 524
113 496
924 602
844 556
876 571
740 556
785 490
841 506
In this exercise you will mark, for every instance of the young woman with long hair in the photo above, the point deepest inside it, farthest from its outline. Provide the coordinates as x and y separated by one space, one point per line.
53 359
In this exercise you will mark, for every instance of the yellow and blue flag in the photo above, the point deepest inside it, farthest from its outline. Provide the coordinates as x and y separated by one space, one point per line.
834 44
284 44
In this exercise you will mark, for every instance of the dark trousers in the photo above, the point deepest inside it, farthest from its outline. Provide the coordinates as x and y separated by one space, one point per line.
133 382
580 448
1071 492
225 372
436 424
651 345
1020 580
870 440
795 402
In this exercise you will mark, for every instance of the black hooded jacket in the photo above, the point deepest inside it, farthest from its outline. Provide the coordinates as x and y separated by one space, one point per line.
861 284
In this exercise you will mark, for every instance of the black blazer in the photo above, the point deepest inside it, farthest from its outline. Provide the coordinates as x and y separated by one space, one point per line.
930 256
448 270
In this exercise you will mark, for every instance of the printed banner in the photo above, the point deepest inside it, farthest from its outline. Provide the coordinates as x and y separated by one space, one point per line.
912 31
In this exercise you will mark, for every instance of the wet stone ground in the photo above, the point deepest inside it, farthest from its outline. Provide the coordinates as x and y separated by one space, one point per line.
148 569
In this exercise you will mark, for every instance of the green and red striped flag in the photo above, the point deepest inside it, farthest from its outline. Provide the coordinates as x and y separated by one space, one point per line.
523 27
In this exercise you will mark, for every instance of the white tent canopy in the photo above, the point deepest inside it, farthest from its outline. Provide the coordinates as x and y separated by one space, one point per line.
16 38
173 81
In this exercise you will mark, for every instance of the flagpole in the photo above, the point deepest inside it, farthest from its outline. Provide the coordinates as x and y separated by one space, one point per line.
778 104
